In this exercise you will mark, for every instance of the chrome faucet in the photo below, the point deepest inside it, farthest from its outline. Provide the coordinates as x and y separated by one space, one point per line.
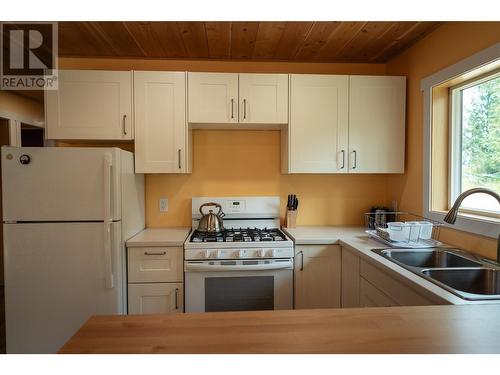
451 216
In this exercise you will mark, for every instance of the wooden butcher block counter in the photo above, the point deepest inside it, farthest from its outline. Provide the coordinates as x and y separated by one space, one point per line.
420 329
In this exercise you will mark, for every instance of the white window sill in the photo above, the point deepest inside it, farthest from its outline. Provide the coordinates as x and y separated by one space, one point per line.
482 225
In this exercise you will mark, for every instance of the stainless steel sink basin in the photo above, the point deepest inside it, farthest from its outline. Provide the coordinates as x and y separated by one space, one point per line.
435 258
455 270
482 281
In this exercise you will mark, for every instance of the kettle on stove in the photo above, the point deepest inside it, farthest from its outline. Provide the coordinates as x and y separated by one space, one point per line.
211 223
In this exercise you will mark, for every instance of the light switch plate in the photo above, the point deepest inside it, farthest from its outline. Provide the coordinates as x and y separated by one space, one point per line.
163 203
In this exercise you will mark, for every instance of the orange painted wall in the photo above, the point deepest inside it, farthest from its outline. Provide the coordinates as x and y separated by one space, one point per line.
248 162
235 163
445 46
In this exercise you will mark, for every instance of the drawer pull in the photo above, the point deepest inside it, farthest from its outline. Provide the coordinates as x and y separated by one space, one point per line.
159 253
301 260
124 124
176 298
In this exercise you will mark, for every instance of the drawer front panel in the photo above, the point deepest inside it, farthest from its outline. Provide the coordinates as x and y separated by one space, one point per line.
155 264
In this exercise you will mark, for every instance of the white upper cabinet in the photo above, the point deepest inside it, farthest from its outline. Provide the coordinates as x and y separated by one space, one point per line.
224 98
90 104
263 98
345 124
377 124
160 122
213 97
318 129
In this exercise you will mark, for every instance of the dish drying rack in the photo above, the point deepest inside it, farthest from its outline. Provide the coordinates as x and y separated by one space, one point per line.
376 223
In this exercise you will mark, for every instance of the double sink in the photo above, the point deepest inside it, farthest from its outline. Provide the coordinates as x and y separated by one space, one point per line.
461 273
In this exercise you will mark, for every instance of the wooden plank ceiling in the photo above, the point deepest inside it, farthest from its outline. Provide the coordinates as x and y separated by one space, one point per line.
374 42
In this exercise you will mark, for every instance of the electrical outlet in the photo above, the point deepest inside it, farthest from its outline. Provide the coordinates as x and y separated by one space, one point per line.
163 204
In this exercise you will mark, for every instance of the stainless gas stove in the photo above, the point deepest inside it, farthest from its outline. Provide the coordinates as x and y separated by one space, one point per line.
248 266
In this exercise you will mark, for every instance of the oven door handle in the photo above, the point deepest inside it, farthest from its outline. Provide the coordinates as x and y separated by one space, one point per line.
202 267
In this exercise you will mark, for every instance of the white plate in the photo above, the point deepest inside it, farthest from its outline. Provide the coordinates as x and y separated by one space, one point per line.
421 244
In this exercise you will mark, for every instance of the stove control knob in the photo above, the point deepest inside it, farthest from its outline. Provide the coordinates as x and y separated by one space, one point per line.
240 254
272 253
216 254
205 254
260 253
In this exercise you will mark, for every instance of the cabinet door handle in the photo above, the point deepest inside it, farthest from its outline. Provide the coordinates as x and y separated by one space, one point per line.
124 125
244 109
301 260
158 253
343 159
355 159
177 298
232 109
179 157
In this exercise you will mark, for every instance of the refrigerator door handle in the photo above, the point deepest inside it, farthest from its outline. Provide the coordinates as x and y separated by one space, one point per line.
107 220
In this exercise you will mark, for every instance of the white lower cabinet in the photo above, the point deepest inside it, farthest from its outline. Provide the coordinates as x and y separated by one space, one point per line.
366 285
399 293
350 279
317 276
370 296
155 280
155 298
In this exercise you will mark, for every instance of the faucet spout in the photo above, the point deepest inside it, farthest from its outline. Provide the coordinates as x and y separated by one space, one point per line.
451 216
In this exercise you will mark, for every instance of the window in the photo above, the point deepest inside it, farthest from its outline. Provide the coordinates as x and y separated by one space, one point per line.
475 143
461 146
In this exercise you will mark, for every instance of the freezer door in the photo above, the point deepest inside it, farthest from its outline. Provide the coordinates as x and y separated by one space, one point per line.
56 278
60 183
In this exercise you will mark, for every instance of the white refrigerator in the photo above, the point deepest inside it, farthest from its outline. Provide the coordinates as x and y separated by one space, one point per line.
67 213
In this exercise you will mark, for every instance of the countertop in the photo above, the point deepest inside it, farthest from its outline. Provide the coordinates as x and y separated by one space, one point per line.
356 240
328 235
417 329
159 237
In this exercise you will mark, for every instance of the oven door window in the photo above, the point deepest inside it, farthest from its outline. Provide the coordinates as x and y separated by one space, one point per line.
239 293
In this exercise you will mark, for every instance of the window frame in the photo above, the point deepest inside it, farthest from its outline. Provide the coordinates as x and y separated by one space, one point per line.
472 67
455 139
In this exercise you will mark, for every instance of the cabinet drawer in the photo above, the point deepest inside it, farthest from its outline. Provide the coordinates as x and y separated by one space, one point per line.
403 295
155 264
157 298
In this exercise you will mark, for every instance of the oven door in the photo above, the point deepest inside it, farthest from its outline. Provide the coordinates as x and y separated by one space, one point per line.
239 285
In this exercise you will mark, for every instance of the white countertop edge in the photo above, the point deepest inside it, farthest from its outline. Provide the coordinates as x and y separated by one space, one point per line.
158 237
347 236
